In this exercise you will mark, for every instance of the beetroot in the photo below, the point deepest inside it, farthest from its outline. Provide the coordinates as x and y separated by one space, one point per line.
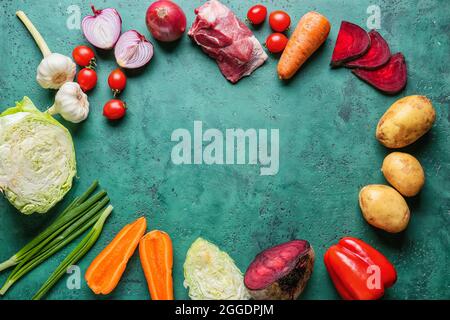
390 79
280 272
377 55
352 42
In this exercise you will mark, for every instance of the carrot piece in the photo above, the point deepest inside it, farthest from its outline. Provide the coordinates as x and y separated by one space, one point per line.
107 268
156 253
310 33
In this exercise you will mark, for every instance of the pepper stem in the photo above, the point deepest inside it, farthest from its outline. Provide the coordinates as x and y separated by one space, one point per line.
34 33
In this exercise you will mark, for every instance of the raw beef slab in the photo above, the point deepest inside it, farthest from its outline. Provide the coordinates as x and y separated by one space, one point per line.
227 40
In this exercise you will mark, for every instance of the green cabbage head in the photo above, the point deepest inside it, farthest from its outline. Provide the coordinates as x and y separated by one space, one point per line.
210 274
37 158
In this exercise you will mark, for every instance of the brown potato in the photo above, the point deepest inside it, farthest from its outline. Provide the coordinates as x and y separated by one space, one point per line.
405 121
404 173
383 207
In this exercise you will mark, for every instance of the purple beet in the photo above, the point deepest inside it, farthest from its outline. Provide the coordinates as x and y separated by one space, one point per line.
352 42
390 78
377 55
280 272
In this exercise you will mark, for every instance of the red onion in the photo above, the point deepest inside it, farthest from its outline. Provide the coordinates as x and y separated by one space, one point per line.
165 20
103 28
133 50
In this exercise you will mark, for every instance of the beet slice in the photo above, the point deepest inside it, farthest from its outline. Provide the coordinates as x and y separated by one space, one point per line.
377 55
352 42
280 272
390 78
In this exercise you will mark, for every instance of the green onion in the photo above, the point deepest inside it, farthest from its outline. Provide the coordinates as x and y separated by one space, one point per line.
81 214
82 248
57 226
76 229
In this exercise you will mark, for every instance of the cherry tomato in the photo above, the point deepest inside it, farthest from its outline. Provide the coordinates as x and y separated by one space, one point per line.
276 42
117 81
87 79
279 21
114 109
257 14
83 56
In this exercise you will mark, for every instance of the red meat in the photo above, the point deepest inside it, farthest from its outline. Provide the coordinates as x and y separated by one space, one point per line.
227 40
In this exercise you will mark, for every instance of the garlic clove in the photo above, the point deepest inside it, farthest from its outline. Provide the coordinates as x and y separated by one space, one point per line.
55 70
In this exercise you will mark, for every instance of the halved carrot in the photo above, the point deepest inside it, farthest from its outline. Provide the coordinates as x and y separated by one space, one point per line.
107 268
156 253
310 33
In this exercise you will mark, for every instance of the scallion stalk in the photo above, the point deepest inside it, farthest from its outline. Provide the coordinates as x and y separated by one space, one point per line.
79 252
57 226
57 243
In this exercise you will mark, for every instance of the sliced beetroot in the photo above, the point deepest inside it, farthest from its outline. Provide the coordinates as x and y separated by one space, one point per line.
280 272
352 42
390 78
377 55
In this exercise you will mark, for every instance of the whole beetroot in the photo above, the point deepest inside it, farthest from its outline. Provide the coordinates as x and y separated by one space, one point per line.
280 272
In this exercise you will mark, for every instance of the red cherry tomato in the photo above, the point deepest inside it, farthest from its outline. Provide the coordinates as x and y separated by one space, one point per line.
117 81
87 79
114 109
257 14
83 56
276 42
279 21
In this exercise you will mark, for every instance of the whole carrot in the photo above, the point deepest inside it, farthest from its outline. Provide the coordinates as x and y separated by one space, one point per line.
105 271
311 32
156 253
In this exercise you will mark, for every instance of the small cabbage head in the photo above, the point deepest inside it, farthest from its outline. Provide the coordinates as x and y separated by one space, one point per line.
210 274
37 158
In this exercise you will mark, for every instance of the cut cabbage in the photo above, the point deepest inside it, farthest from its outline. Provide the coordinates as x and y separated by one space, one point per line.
37 158
210 274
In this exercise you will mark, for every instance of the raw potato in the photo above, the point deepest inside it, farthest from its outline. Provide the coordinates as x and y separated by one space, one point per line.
405 121
383 207
404 173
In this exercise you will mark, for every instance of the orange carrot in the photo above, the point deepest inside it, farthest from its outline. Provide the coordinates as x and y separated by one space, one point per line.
156 253
310 33
107 268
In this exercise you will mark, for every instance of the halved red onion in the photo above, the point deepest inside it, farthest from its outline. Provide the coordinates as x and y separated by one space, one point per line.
103 28
133 50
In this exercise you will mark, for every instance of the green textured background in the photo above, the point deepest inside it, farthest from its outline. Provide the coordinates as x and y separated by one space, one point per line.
327 120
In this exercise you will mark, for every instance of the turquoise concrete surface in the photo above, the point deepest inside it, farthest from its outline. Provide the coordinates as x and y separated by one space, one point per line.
328 151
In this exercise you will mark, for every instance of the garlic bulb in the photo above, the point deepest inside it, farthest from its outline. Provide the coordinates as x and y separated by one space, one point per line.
71 103
55 70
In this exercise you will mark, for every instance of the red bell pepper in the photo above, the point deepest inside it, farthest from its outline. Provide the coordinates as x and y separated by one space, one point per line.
358 271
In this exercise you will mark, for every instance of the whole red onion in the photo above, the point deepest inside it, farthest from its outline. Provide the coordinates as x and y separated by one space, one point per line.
165 20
